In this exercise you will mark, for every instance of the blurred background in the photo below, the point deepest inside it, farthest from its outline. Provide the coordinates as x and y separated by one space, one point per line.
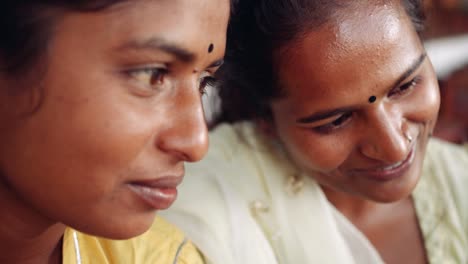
446 41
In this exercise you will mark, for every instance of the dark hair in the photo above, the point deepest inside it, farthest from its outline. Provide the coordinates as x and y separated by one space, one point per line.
26 27
259 28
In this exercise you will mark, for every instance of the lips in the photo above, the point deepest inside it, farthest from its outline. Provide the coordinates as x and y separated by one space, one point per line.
158 194
387 173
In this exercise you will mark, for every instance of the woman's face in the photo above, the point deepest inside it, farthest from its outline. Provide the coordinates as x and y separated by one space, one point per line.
119 114
328 120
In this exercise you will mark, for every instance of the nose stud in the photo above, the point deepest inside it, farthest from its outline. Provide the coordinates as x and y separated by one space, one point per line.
409 138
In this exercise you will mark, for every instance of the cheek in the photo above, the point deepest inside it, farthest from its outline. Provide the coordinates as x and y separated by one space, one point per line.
110 136
424 105
83 137
314 152
79 151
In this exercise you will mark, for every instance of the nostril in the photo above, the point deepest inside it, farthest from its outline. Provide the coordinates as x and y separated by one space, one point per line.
199 148
188 142
388 147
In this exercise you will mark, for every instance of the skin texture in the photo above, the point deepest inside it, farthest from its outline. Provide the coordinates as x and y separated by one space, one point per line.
105 119
360 56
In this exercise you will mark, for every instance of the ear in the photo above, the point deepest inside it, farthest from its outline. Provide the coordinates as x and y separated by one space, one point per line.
267 128
16 99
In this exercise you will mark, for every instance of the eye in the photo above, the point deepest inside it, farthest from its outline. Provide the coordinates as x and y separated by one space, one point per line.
335 124
151 78
406 87
206 79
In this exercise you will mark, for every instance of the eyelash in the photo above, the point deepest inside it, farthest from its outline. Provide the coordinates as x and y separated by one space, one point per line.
344 118
206 81
334 125
406 87
154 77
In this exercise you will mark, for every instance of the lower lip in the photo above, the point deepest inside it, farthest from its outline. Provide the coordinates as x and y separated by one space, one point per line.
388 175
157 198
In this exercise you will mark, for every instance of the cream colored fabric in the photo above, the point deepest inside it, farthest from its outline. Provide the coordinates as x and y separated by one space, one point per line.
441 200
162 244
243 171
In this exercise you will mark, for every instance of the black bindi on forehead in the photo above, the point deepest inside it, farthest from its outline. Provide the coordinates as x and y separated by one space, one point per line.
210 48
372 99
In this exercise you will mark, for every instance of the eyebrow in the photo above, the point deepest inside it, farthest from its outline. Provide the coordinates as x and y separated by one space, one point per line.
322 115
159 44
413 67
330 113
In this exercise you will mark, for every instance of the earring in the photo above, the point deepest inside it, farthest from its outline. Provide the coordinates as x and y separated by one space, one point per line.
409 138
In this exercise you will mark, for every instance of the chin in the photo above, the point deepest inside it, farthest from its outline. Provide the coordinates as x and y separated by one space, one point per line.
133 228
390 197
398 190
120 228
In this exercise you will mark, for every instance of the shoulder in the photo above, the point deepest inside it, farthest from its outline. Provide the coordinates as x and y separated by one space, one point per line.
165 239
227 140
442 201
162 243
235 149
230 170
447 165
442 154
175 246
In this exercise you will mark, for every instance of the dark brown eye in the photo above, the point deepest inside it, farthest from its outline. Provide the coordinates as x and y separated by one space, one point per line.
156 77
151 77
335 124
406 87
341 119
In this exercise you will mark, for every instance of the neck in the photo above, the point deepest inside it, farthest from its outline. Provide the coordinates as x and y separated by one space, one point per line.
361 212
25 235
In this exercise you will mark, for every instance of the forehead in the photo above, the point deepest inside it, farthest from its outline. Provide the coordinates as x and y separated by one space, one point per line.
367 26
191 25
176 16
360 49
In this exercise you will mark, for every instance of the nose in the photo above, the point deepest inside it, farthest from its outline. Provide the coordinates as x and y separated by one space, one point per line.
384 139
186 137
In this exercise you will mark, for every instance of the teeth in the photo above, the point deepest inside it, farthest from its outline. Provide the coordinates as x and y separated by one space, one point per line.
396 165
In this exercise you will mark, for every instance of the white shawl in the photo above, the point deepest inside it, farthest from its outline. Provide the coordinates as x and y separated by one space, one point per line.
235 207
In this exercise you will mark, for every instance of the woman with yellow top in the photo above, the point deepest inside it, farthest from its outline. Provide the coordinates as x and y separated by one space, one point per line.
99 110
328 157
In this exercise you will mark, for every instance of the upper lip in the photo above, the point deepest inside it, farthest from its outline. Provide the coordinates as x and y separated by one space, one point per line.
171 181
388 168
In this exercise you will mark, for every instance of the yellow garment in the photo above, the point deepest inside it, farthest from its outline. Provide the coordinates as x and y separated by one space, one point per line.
162 244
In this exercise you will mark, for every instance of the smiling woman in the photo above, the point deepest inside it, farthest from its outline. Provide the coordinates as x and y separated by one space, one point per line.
329 158
100 107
